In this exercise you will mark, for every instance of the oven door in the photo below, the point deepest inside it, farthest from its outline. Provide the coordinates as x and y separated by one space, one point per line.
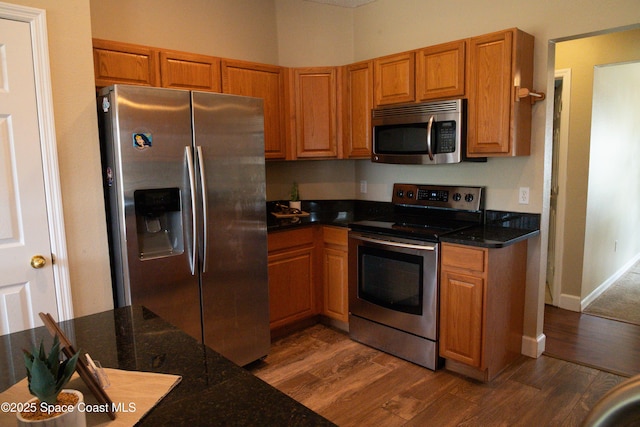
394 282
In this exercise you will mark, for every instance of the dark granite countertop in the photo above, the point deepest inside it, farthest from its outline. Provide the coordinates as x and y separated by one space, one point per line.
500 228
489 236
338 213
213 390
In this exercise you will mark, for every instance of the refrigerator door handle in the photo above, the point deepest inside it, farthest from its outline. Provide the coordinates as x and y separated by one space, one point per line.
192 189
203 189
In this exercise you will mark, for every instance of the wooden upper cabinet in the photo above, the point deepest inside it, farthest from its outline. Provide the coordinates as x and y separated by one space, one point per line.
116 62
440 71
394 77
266 82
357 101
181 70
315 98
499 123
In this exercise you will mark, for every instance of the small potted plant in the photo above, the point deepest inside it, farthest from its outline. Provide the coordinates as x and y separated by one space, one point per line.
294 197
47 375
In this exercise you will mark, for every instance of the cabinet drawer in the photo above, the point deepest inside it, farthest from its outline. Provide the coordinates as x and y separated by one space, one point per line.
335 236
464 257
279 240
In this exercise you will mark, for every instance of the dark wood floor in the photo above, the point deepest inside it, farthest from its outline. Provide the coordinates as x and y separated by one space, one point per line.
593 341
355 385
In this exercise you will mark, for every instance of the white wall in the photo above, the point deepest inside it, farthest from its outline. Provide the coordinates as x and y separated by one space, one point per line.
73 87
582 56
238 29
612 234
312 34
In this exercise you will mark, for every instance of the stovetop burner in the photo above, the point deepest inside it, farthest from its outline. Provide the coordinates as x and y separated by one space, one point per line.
426 212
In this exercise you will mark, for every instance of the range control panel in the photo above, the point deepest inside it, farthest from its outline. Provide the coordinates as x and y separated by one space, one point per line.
438 196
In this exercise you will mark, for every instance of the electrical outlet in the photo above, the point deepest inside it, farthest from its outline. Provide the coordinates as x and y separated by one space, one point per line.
523 196
363 186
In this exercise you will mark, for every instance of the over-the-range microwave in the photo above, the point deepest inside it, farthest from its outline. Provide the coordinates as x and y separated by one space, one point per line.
426 133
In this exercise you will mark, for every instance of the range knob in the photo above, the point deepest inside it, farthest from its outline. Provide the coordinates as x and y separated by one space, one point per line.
468 198
457 197
410 194
400 193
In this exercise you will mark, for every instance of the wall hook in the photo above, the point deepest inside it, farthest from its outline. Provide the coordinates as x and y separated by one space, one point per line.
523 92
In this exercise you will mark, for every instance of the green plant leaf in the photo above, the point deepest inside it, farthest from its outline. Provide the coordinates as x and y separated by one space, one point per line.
47 375
43 383
66 371
53 361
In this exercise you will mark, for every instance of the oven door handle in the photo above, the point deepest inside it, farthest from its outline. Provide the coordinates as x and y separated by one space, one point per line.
397 244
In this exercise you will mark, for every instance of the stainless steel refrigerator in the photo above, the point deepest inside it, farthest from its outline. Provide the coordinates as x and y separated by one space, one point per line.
185 190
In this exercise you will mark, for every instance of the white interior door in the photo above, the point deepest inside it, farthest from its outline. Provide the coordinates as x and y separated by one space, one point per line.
25 290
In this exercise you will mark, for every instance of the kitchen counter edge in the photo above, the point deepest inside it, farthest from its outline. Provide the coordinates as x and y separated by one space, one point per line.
500 228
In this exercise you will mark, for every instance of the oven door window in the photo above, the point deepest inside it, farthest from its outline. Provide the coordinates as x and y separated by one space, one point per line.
390 279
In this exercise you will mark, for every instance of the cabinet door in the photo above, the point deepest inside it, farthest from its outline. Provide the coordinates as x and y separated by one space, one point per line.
461 317
394 77
440 71
498 125
266 82
180 70
335 262
316 112
291 291
357 104
115 62
335 284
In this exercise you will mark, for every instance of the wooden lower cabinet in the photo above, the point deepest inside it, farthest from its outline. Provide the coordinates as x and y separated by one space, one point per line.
481 307
293 271
335 277
307 278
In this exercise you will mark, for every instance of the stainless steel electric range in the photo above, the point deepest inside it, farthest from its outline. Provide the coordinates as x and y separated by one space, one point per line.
394 268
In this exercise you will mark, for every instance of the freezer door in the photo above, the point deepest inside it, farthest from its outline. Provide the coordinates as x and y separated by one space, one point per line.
149 187
229 140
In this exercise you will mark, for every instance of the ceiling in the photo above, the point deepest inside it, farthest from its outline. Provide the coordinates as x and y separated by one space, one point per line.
344 3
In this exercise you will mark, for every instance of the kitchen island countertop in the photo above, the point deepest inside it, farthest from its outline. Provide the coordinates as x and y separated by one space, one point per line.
213 390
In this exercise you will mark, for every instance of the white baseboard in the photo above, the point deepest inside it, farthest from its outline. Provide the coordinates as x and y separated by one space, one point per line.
607 283
533 347
570 302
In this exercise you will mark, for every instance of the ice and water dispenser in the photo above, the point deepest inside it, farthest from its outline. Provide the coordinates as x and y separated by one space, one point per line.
159 222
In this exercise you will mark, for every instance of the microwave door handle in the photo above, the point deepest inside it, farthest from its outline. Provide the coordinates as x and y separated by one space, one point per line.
429 149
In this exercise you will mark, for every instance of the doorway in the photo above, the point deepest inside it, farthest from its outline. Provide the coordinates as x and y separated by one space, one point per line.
28 107
561 113
569 264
